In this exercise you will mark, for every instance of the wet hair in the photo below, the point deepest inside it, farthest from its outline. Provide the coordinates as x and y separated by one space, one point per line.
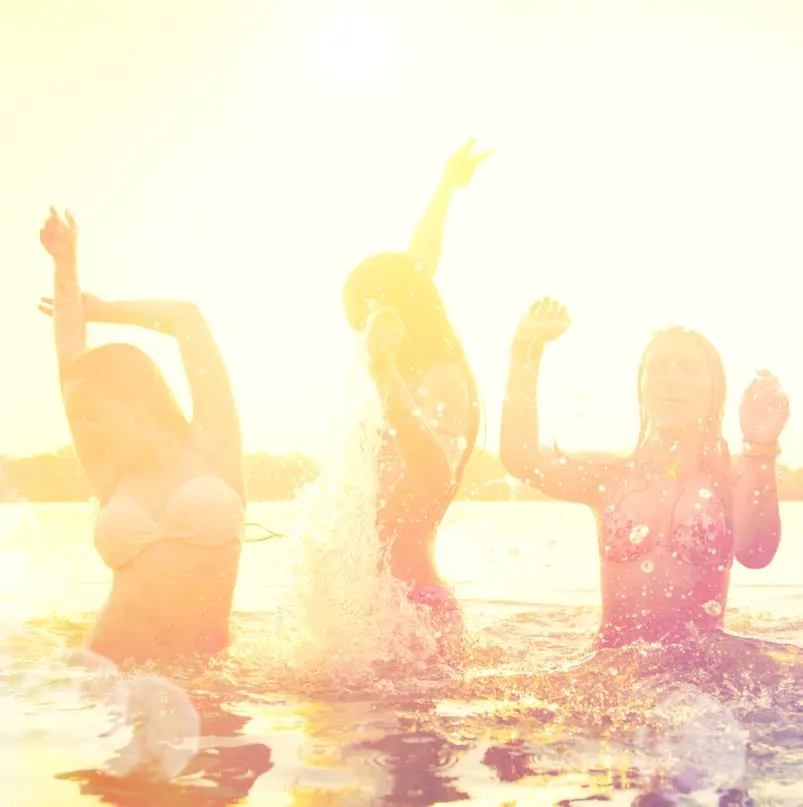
395 280
713 441
714 457
127 373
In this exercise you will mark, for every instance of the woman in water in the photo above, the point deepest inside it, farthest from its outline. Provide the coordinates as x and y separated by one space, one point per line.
171 491
429 399
673 516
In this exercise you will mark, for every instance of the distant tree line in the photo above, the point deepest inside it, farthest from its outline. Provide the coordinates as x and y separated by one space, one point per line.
59 477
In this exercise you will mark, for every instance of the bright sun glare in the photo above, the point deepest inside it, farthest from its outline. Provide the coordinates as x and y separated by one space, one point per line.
354 51
647 165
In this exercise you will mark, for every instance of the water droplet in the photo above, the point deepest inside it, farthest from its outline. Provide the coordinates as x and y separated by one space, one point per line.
639 533
712 608
613 671
417 413
647 567
392 432
704 493
602 488
439 409
462 443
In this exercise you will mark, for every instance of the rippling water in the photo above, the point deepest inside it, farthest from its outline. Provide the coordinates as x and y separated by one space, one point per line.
529 721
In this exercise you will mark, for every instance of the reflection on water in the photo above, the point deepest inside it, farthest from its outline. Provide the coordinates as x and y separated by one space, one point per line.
533 719
418 764
558 738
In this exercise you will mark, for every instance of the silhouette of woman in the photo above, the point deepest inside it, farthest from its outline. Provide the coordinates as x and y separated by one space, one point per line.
673 515
429 398
171 491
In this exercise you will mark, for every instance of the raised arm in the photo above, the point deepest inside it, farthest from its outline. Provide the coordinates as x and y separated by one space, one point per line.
558 476
215 420
427 241
59 237
756 514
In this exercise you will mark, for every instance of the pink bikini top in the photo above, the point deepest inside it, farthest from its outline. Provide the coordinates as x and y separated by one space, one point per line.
204 511
702 540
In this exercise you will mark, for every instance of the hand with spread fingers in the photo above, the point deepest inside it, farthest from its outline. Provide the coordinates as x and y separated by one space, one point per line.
546 321
462 164
59 236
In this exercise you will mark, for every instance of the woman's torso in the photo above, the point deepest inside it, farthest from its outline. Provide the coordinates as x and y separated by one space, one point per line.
173 600
172 539
407 520
666 551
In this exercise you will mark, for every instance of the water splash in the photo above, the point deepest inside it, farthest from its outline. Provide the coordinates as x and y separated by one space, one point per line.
348 621
121 724
164 730
694 740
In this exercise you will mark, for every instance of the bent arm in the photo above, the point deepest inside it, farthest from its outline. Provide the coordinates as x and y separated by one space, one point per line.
215 419
560 477
756 513
429 436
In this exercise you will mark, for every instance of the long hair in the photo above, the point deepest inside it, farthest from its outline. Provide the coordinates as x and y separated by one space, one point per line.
127 373
714 456
713 441
394 279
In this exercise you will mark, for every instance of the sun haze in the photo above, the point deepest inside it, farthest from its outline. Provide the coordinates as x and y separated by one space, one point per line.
647 171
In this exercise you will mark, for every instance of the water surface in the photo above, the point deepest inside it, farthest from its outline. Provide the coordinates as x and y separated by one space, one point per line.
519 725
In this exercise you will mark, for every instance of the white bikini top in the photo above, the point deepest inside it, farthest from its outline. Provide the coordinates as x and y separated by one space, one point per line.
204 511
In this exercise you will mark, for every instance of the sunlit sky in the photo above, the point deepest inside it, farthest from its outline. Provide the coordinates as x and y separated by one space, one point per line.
648 171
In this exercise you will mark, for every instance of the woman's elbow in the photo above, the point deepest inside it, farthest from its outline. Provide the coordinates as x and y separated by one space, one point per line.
189 311
517 463
758 553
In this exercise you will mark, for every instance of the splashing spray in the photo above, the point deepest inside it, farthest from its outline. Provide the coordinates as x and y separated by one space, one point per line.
348 617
